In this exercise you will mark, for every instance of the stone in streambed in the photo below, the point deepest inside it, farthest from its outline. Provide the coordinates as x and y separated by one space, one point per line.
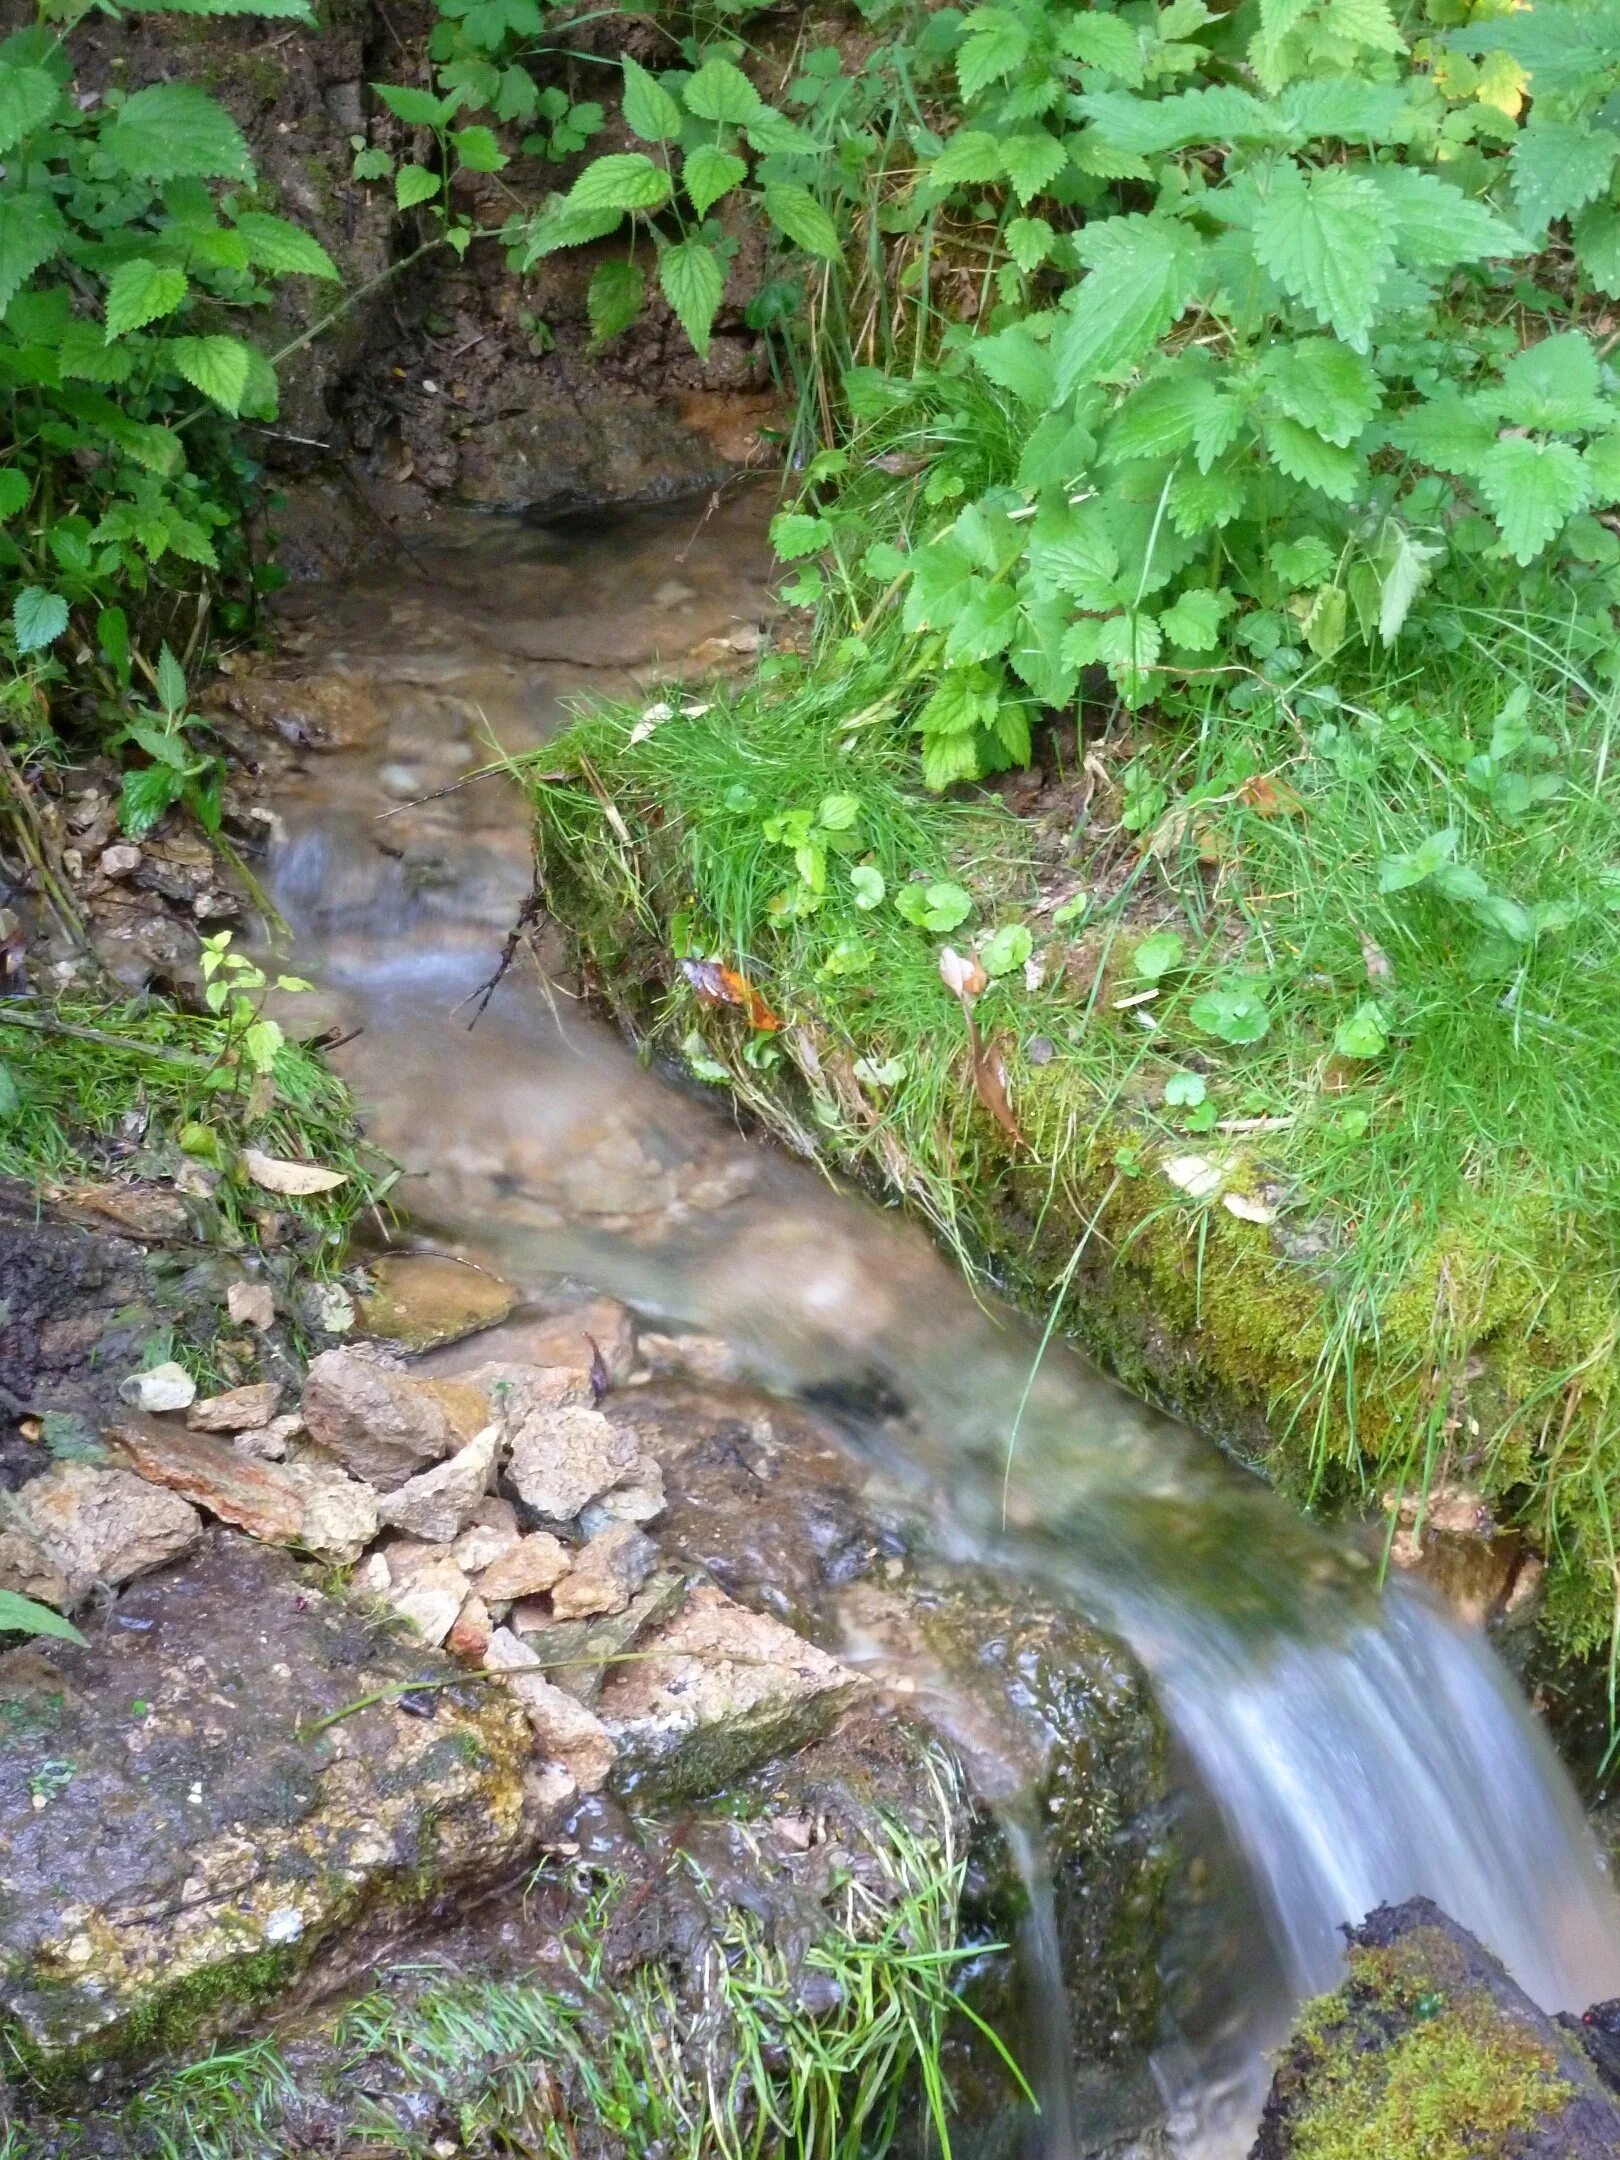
599 1336
562 1460
424 1300
606 1575
639 1500
578 1655
565 1731
431 1597
437 1504
385 1426
269 1442
159 1388
237 1410
102 1526
257 1497
529 1567
491 1533
339 1517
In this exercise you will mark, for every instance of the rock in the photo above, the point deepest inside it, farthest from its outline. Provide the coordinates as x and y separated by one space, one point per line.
719 1689
468 1640
421 1300
159 1388
1451 1538
1428 2029
565 1732
103 1526
513 1392
372 1578
437 1504
258 1497
704 1357
332 711
381 1425
251 1304
26 1568
339 1517
269 1442
121 860
561 1460
237 1410
532 1565
431 1598
578 1655
606 1575
639 1501
569 1341
491 1533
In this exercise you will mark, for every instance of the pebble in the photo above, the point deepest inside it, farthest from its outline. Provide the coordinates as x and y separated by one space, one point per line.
159 1388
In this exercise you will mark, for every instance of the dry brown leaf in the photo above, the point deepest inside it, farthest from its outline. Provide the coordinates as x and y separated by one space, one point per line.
717 985
990 1083
1267 796
297 1180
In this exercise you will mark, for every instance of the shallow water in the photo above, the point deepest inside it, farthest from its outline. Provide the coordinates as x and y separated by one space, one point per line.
1341 1749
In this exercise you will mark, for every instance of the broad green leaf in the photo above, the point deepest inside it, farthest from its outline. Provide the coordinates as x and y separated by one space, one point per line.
1532 488
693 280
1398 872
1364 1033
418 108
278 245
139 292
1597 247
795 213
1103 41
1161 418
1559 166
38 618
1029 242
867 886
1157 955
1447 432
995 41
1602 462
477 149
15 490
649 110
217 366
1324 386
971 156
414 184
1006 949
1199 501
1436 225
31 232
773 135
1032 162
1303 455
23 1616
1404 565
1071 552
1345 108
1327 238
940 907
1185 1090
614 300
984 625
1555 385
1327 621
795 534
1016 359
1129 645
627 180
28 97
1140 128
1303 37
708 172
567 226
1194 621
173 130
1143 272
84 355
1232 1015
720 91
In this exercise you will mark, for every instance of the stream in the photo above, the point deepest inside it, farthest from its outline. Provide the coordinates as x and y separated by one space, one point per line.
1340 1747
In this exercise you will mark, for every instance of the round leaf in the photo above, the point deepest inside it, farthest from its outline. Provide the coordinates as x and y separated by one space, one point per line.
1236 1014
868 884
1365 1033
1184 1090
1005 949
1157 955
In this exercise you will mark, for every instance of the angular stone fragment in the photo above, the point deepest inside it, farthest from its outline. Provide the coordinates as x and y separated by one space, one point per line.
437 1504
491 1533
421 1300
159 1388
257 1497
269 1442
237 1410
565 1731
599 1337
562 1459
639 1500
705 1357
383 1425
606 1575
578 1655
469 1638
339 1512
532 1566
103 1526
431 1598
27 1569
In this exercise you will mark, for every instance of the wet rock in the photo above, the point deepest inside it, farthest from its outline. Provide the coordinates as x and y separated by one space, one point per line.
606 1575
1429 2037
565 1732
103 1526
339 1518
26 1568
641 1500
578 1655
561 1460
468 1640
515 1391
237 1410
571 1341
1451 1538
421 1300
121 860
382 1425
258 1497
719 1689
330 711
699 1357
159 1388
529 1567
437 1504
430 1597
269 1442
491 1533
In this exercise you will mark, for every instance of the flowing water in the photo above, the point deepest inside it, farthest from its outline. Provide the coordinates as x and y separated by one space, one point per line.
1341 1748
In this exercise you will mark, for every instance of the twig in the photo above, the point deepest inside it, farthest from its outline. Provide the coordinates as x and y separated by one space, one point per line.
455 787
532 911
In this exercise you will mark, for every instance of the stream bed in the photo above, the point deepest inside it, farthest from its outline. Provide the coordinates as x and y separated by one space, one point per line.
1334 1748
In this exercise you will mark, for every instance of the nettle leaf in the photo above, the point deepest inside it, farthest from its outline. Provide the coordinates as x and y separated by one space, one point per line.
970 156
796 214
694 280
15 490
708 173
1532 488
1194 622
1602 461
417 108
795 534
649 110
1219 113
220 367
1405 565
1016 359
172 131
1450 433
720 91
1143 273
38 618
1328 239
1161 418
1322 385
1555 384
1344 108
1559 166
1436 225
277 245
984 625
139 292
1032 161
31 232
1199 501
617 290
1129 645
414 184
1029 242
627 180
1103 41
1396 873
1303 455
477 149
995 41
28 98
1071 552
1597 247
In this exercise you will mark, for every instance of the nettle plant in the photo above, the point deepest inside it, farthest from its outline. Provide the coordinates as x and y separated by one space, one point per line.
134 252
1315 371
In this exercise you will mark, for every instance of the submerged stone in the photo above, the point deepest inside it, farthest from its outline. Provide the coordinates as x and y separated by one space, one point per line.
421 1300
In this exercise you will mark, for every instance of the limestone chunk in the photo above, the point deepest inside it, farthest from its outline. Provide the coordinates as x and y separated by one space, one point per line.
437 1504
606 1575
159 1388
431 1598
103 1526
237 1410
565 1732
339 1512
491 1533
382 1425
257 1497
563 1459
532 1565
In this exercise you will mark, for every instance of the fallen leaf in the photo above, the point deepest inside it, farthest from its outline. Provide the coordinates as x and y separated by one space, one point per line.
990 1083
1247 1210
1267 796
1195 1175
296 1179
718 985
962 976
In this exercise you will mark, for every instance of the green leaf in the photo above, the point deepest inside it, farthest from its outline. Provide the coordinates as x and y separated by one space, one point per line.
1597 247
970 156
277 245
1142 276
720 91
1447 432
868 886
1559 166
139 292
21 1615
1345 108
795 212
1103 41
171 682
1032 161
1532 488
1397 872
1129 646
1029 242
795 535
694 280
414 184
1158 954
1404 565
708 173
1185 1090
1219 114
984 626
1436 225
1365 1033
15 491
940 907
174 130
1556 385
627 180
478 150
418 108
1236 1014
614 300
649 110
1194 622
28 98
1006 949
1322 385
1016 359
38 618
31 231
995 41
220 367
1327 238
1304 456
145 795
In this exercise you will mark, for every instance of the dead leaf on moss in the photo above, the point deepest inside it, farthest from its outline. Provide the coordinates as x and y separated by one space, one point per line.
990 1084
296 1180
718 985
1267 796
1247 1209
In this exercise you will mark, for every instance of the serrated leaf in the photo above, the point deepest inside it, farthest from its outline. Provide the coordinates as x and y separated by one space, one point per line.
1146 128
1303 455
171 682
1404 565
28 98
626 180
139 292
1160 419
1554 385
1531 489
984 625
1447 432
1143 274
1016 360
970 156
1072 553
1194 621
31 231
1032 162
174 130
1103 41
417 108
1597 247
477 149
693 281
720 91
1199 501
649 110
1436 225
995 41
1559 166
414 184
217 366
795 213
708 173
1602 461
1322 385
617 290
795 534
1344 108
1327 239
1128 645
278 245
1029 242
15 490
38 618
